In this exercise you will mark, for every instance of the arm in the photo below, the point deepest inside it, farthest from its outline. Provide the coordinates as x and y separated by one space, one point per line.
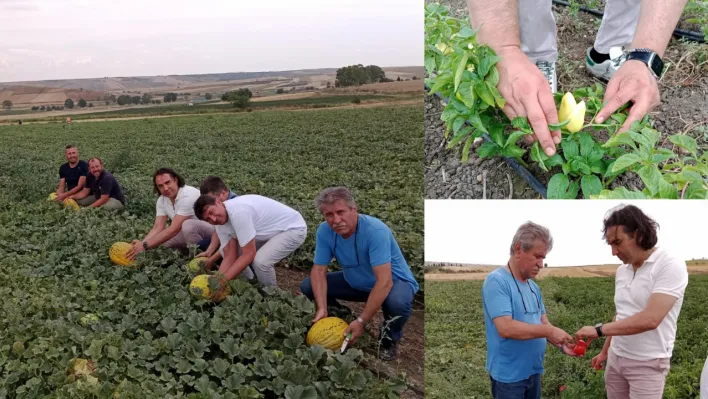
166 234
81 194
648 319
233 269
657 20
318 279
383 285
100 202
79 187
509 328
498 23
157 227
606 347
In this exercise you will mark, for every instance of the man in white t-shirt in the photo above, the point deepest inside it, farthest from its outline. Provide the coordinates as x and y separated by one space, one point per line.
265 230
176 203
649 289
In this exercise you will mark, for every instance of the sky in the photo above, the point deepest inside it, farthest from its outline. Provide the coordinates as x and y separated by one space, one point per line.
70 39
481 231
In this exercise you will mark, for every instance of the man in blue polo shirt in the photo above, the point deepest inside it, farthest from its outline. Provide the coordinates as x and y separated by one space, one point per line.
212 248
373 269
515 318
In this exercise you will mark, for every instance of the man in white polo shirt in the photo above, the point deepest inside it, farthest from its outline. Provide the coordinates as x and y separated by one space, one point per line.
176 203
649 289
265 230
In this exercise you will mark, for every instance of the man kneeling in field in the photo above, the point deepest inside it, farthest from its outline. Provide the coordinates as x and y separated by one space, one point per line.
176 203
72 174
214 186
101 188
374 269
266 230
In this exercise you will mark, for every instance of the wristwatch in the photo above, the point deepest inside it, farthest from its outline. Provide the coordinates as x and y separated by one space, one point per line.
360 320
145 245
598 328
649 57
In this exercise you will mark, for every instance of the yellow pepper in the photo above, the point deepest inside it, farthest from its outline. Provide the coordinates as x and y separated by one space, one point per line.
569 110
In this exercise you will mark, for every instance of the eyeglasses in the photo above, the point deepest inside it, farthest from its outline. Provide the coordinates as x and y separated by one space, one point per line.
538 302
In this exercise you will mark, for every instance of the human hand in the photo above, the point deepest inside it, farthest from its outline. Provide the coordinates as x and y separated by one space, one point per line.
137 247
597 360
559 337
570 350
633 82
321 313
586 332
527 94
356 329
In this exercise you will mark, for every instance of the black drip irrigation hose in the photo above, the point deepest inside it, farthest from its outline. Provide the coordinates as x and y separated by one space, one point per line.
680 33
513 163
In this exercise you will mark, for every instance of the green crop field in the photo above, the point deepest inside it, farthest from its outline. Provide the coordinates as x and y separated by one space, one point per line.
455 342
151 338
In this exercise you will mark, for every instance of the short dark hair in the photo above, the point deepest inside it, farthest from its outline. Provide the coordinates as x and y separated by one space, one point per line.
171 172
635 223
212 185
70 146
96 158
201 203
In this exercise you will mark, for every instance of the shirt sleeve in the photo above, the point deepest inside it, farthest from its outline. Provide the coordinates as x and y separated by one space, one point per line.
323 246
496 297
186 205
62 174
242 223
671 279
159 211
379 248
83 168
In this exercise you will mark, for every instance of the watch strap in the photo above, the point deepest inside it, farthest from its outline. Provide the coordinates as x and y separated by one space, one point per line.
598 329
360 320
648 57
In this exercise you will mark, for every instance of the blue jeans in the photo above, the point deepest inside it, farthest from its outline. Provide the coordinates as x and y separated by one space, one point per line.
529 388
398 303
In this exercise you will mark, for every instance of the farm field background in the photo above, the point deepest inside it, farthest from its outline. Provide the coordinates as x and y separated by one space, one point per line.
455 339
151 338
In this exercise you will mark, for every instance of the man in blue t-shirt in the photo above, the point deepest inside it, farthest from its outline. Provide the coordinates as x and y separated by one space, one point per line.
72 174
216 187
373 269
515 319
101 189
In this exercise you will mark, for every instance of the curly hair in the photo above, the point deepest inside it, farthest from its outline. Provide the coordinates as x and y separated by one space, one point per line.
635 223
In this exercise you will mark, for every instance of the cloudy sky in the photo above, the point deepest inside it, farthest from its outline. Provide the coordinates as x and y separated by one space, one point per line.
60 39
480 232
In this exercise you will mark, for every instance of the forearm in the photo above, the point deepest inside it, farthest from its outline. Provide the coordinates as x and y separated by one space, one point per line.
657 21
635 324
318 281
213 244
523 331
376 298
99 202
74 190
163 236
497 21
235 268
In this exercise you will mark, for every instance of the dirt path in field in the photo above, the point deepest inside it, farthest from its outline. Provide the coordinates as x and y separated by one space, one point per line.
683 109
452 273
410 348
128 118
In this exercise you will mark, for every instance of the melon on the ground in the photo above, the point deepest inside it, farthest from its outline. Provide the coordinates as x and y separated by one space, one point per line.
194 266
328 332
199 287
118 251
71 203
52 197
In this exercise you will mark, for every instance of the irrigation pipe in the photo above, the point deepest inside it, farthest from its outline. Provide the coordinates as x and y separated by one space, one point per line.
513 163
680 33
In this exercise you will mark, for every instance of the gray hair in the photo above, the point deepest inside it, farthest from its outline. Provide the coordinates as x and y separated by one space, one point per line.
331 195
528 233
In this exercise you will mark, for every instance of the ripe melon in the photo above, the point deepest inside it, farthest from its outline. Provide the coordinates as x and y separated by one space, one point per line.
71 203
199 287
89 319
52 197
327 332
194 266
118 251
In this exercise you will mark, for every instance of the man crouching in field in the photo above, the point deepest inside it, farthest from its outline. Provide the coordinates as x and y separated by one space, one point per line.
266 230
517 326
373 269
101 188
72 174
214 186
649 289
176 203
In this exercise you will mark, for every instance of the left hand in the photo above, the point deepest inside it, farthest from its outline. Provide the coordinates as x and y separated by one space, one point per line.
634 82
568 350
135 250
586 332
356 329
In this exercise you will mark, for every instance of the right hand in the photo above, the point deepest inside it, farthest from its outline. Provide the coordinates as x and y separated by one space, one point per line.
204 254
322 313
559 337
527 93
597 360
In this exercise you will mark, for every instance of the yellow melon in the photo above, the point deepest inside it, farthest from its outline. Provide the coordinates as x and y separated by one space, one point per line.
71 203
194 266
199 287
117 253
328 332
52 197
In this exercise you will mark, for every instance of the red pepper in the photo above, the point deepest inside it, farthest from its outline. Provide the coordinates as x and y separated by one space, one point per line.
580 348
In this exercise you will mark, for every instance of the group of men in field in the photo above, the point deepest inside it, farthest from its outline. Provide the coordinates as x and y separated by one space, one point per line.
247 235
